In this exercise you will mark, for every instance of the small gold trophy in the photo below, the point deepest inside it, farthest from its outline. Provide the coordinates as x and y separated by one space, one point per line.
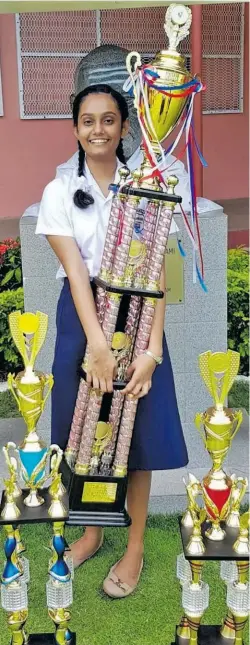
220 425
28 331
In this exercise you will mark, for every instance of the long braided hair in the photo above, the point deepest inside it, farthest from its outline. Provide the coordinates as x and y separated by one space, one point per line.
81 198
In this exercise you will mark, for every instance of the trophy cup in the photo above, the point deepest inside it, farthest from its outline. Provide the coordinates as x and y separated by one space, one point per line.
28 388
96 458
220 424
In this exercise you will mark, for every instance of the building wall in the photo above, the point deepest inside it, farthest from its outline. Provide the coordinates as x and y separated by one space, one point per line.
30 150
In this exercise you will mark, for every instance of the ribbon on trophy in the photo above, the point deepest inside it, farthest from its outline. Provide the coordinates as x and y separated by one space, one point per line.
142 79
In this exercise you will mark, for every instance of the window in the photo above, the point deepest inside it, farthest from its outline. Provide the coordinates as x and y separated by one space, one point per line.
49 46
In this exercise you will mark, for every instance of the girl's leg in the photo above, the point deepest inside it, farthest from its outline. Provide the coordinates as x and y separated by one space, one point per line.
87 545
128 568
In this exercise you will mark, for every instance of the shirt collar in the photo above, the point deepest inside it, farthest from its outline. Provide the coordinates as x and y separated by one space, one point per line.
90 180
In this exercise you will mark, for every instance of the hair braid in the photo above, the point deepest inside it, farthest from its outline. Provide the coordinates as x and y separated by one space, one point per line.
81 198
81 157
120 152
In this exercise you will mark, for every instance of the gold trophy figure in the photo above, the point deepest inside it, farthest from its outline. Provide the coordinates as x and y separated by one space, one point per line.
241 546
220 425
193 489
239 487
10 511
28 331
12 466
196 546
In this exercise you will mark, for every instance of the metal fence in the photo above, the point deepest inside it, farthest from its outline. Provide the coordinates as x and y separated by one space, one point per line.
50 45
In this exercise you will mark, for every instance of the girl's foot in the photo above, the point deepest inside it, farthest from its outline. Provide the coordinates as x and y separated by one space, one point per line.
124 576
87 546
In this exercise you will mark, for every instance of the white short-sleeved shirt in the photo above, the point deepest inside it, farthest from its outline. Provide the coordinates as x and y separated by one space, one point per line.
58 215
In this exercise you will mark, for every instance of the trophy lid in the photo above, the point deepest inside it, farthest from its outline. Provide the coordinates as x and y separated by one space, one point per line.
177 24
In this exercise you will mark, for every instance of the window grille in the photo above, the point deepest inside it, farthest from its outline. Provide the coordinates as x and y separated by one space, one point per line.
223 55
50 45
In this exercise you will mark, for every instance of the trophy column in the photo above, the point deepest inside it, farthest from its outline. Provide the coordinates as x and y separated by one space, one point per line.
234 568
215 501
34 503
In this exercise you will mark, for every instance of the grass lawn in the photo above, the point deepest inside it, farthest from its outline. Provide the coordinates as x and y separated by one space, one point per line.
146 618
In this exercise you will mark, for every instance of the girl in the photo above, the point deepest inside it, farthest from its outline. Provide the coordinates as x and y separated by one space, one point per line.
74 215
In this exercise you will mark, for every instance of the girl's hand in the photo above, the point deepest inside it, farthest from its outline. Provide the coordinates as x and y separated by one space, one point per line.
140 371
102 367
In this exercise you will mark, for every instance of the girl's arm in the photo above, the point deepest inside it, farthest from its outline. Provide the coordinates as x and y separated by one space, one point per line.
101 365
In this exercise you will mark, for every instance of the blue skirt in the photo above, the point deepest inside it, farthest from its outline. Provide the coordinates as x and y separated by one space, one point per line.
158 442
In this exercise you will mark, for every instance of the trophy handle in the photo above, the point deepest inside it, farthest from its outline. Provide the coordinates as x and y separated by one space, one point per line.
11 381
240 483
10 461
238 418
199 420
49 380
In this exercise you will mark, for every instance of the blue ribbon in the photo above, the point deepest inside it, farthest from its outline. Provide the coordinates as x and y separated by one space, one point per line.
181 249
200 155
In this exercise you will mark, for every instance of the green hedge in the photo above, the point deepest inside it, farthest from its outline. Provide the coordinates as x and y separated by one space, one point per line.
9 356
238 305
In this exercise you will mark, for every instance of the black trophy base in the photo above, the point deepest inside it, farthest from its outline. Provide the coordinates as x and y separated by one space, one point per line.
39 514
221 550
207 635
78 518
95 500
46 639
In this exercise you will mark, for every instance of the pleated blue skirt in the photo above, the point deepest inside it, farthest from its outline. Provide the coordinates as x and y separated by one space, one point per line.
158 442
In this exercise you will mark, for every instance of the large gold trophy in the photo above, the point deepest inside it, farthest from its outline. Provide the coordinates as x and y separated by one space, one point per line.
96 457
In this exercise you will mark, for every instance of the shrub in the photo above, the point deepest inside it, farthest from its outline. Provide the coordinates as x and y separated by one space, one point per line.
238 305
9 356
10 264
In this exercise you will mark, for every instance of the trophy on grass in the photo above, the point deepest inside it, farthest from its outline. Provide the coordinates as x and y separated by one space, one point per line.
128 286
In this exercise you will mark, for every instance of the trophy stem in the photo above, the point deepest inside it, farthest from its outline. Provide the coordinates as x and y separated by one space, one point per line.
33 499
14 598
196 568
240 622
16 623
183 630
59 588
243 568
194 623
215 533
228 628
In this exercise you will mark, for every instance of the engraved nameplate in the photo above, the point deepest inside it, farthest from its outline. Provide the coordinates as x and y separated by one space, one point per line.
99 492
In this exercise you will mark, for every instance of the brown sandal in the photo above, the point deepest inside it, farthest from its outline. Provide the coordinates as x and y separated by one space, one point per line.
115 587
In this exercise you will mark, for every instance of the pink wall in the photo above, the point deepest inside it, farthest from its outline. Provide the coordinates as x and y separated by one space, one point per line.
30 150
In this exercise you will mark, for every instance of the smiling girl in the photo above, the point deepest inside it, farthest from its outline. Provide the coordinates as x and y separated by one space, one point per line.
74 216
